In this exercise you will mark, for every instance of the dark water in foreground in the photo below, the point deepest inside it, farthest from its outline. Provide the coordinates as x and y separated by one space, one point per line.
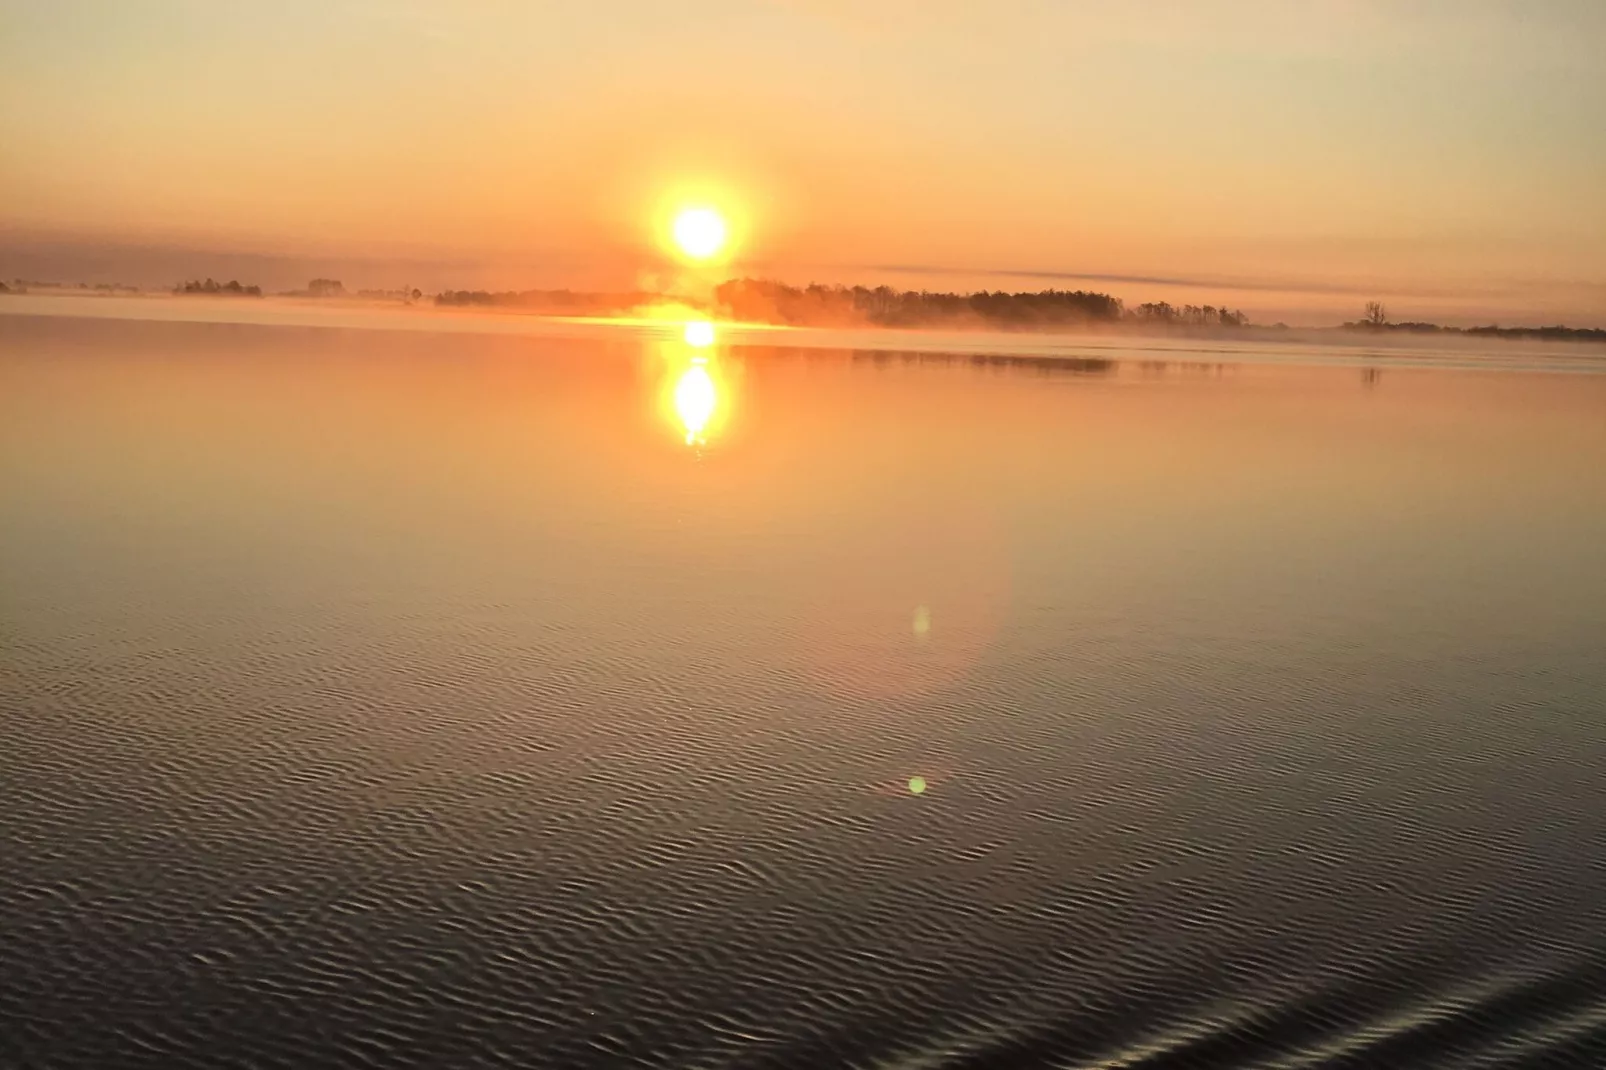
420 699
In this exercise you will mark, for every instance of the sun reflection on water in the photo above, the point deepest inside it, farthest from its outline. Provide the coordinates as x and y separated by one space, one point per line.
697 388
699 334
696 398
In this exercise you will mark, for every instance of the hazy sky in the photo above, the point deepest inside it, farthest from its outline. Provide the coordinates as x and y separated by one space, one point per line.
1449 157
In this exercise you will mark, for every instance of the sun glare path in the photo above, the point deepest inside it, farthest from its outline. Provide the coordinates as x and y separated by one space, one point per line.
699 232
695 400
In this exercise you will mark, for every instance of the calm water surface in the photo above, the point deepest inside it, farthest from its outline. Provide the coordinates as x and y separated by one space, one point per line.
412 698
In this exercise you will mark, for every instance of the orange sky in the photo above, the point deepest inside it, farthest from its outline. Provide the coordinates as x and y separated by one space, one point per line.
1292 159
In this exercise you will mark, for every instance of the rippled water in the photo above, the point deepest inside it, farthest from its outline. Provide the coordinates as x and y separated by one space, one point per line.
411 698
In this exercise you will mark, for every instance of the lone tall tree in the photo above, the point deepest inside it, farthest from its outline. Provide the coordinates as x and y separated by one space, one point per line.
1376 314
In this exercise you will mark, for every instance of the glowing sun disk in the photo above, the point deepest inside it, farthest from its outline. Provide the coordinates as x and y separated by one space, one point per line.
699 232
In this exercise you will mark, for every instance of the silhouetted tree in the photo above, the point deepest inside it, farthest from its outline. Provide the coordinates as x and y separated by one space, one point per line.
1376 314
325 288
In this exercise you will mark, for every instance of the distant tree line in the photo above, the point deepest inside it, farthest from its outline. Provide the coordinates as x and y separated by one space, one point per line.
1548 334
762 301
566 301
1376 319
335 288
1188 315
232 288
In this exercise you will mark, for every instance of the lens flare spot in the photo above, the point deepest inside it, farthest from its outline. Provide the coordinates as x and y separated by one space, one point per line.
699 232
922 622
917 785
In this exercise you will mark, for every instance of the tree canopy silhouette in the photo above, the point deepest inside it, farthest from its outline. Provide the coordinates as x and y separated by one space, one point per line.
763 301
1163 312
562 301
212 287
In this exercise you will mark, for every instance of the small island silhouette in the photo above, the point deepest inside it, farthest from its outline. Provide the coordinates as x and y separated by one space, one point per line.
1376 319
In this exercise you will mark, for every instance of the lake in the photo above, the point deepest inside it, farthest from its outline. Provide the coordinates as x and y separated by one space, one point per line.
489 695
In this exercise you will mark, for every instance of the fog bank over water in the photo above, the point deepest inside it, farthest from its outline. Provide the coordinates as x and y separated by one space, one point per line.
1121 343
1297 301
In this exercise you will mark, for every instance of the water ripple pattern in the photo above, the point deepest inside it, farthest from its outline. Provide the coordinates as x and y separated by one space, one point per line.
407 700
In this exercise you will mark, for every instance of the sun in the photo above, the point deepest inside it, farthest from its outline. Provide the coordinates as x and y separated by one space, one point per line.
699 232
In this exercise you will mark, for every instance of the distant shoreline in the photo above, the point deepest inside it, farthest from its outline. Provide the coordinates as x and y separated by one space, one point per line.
754 303
1094 351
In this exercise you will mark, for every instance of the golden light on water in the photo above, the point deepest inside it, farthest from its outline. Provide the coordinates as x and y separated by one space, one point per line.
696 399
698 386
699 232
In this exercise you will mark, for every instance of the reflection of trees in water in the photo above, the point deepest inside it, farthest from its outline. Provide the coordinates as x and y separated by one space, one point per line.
1213 368
1036 363
1020 361
1371 376
1042 365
